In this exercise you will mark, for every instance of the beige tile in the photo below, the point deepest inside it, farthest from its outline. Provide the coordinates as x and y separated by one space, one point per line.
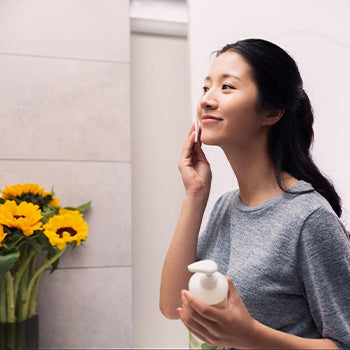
64 109
86 29
85 309
107 185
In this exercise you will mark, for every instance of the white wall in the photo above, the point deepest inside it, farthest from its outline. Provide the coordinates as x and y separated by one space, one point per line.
315 33
65 122
160 114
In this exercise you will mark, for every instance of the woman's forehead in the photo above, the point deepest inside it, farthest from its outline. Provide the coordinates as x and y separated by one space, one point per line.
228 64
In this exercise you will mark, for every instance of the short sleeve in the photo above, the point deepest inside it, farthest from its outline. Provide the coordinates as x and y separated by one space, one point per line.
324 265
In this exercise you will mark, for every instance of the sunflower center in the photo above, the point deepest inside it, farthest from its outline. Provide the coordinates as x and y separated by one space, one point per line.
18 216
70 230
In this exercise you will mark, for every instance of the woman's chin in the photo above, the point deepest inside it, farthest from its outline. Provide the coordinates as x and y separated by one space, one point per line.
208 139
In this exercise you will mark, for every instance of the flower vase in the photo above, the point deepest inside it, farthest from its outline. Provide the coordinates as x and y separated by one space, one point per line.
20 335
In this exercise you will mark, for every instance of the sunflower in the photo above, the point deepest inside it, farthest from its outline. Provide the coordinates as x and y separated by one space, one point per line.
15 191
55 202
30 193
63 211
66 228
2 234
24 216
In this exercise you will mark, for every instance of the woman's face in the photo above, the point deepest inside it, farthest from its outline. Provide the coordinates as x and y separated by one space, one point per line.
227 109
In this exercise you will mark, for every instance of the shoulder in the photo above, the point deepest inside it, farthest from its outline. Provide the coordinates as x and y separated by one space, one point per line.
304 206
319 224
306 203
221 210
224 202
308 215
322 225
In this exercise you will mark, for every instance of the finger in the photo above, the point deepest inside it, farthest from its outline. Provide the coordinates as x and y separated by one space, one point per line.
193 326
189 143
183 299
199 335
231 287
194 315
232 294
207 312
197 148
190 133
200 156
192 128
179 311
188 147
199 135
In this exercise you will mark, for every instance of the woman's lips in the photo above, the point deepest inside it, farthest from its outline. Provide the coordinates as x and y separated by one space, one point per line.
210 119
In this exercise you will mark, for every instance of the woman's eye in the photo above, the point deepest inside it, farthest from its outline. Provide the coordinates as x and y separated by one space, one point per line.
205 88
226 86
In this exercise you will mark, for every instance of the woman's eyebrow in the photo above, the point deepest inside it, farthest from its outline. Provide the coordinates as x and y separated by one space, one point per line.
224 76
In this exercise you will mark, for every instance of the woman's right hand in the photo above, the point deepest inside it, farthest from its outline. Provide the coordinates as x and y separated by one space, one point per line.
194 166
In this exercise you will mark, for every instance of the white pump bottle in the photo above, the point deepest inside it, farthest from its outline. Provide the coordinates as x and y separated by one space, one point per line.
207 284
211 287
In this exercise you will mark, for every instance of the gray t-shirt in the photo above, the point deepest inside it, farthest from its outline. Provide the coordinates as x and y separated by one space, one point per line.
289 259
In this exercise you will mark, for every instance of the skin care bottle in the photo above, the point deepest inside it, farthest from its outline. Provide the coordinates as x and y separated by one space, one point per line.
211 287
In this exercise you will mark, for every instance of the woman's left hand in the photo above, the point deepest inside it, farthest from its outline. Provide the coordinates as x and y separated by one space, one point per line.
232 326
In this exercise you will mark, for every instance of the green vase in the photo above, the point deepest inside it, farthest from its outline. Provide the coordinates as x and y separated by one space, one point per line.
20 335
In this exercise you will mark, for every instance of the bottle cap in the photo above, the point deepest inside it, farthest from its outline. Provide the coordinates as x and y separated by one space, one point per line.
208 270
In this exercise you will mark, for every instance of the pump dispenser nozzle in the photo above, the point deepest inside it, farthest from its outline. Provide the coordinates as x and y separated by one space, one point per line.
208 270
205 266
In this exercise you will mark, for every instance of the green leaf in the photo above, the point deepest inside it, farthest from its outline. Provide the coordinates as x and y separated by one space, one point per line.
50 253
54 265
8 259
47 212
82 208
43 241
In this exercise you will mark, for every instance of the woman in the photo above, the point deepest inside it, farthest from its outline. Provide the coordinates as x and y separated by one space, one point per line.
278 237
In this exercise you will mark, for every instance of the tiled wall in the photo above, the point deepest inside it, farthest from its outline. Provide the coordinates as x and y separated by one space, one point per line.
65 122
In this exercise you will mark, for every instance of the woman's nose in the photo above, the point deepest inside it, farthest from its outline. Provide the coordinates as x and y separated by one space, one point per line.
209 101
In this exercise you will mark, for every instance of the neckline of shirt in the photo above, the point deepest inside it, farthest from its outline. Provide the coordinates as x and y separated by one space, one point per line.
298 186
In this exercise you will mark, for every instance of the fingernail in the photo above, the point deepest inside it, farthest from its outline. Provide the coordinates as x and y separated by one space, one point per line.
186 293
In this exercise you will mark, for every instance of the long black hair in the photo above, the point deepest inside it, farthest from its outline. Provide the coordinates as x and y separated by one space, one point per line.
280 87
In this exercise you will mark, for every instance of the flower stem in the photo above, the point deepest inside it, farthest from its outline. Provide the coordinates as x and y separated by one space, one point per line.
10 298
24 267
3 317
33 301
33 264
22 297
37 273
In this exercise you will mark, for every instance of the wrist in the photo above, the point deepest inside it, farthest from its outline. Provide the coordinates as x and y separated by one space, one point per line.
256 335
199 199
264 337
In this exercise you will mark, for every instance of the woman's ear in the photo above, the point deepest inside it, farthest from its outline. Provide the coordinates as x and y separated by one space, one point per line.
272 117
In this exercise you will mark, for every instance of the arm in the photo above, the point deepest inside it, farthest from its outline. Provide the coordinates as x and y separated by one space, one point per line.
196 175
234 327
